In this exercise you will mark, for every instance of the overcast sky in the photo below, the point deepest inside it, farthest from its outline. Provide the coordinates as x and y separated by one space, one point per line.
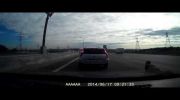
70 29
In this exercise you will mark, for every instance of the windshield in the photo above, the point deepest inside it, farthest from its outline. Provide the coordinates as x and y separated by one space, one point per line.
54 42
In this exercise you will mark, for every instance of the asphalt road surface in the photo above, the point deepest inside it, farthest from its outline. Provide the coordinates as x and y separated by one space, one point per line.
128 63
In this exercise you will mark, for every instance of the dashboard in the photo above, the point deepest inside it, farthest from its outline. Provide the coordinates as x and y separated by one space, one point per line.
55 81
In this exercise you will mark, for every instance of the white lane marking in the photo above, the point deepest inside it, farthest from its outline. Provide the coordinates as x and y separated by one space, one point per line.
65 65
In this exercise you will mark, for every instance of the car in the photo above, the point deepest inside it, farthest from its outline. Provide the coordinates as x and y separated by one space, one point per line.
80 51
94 56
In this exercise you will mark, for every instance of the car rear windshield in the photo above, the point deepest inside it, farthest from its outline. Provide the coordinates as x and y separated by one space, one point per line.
94 51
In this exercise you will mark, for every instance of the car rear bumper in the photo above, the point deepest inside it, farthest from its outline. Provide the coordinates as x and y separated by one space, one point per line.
92 62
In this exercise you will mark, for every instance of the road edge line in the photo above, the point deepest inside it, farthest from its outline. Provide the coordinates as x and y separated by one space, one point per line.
65 65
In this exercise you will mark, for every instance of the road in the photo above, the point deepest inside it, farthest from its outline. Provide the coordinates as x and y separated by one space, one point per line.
18 63
128 63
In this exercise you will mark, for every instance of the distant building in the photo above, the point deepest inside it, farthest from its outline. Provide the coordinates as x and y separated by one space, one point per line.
120 50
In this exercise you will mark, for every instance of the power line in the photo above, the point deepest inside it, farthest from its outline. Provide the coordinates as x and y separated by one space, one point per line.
137 44
21 36
167 43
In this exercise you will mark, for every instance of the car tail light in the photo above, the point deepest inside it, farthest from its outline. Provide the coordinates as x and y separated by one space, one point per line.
81 52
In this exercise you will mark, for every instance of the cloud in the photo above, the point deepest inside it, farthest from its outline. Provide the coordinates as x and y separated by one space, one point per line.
172 31
71 28
29 23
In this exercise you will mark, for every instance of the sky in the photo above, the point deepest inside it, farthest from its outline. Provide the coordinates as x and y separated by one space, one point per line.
116 30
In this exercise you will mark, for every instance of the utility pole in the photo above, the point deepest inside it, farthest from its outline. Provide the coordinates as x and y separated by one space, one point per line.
167 40
20 40
43 47
137 44
22 35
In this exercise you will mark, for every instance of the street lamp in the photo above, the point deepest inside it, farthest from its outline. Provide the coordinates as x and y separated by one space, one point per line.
83 41
43 47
